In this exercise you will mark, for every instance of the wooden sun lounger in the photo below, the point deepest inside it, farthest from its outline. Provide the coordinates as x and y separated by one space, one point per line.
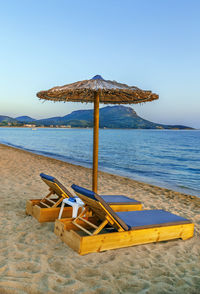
47 209
111 230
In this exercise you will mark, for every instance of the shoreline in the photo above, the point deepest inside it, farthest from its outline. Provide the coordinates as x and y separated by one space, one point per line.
34 260
190 196
181 190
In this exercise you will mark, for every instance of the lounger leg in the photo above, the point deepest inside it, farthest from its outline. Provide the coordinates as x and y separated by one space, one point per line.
61 210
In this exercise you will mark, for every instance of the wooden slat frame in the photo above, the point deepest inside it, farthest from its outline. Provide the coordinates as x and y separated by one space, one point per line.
55 187
58 188
48 195
97 230
101 211
55 202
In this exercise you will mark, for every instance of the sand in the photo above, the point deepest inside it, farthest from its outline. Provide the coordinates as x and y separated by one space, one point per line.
34 260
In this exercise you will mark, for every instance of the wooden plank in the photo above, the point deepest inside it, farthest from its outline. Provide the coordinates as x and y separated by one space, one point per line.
60 227
50 214
49 200
102 225
87 222
43 203
73 239
102 242
50 193
58 202
126 207
29 206
67 225
130 238
82 228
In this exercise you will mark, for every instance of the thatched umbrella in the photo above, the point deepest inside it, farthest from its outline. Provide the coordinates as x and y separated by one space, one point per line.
97 90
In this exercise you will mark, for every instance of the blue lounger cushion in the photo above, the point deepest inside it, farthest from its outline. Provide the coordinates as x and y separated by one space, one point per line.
150 218
84 191
47 177
118 199
51 181
111 199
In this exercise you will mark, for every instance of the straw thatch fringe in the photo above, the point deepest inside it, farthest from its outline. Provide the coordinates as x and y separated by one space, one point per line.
110 92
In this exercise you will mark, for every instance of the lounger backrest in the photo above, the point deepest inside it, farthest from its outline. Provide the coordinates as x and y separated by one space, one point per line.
56 186
100 208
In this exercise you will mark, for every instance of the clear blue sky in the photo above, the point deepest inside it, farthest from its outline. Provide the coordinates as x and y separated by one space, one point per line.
152 44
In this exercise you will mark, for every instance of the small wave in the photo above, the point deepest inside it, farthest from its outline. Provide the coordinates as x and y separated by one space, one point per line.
12 145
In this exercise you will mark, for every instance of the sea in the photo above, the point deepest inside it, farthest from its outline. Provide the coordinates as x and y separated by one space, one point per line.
166 158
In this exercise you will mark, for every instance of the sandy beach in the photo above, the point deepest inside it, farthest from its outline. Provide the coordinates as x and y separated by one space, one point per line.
34 260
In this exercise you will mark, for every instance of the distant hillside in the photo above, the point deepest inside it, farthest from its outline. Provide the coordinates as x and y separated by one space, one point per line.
25 119
4 118
109 117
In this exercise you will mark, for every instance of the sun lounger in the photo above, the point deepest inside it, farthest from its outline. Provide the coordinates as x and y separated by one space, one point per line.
56 188
111 230
49 208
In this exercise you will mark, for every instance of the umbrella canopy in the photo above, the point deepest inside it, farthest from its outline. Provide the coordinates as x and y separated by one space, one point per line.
98 90
111 92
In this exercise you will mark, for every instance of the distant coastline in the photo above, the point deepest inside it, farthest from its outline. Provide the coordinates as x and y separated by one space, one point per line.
111 117
58 127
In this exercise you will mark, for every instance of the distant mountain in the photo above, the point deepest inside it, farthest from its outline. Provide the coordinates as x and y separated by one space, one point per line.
109 117
75 119
4 118
25 119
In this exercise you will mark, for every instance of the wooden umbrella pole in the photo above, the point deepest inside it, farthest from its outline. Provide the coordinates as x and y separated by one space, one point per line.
95 141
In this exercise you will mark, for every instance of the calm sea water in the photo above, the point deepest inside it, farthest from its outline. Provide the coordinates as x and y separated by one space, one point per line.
165 158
